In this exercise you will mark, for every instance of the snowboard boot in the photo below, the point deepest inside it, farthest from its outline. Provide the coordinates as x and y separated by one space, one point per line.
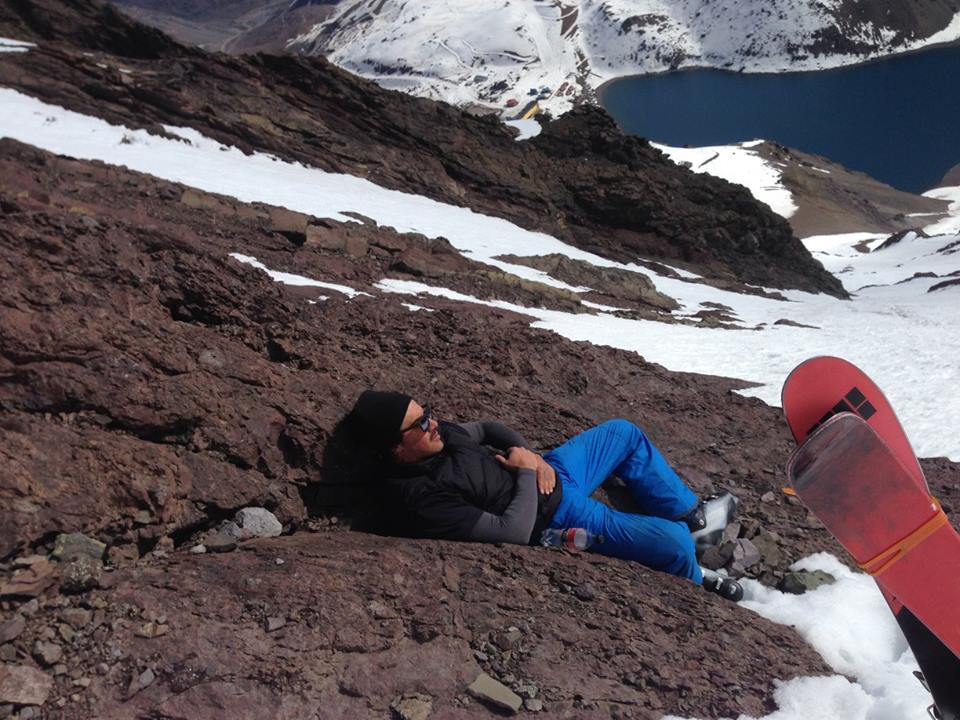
696 519
709 519
727 588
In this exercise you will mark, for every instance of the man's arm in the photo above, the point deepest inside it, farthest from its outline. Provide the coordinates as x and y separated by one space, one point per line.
516 523
495 434
498 435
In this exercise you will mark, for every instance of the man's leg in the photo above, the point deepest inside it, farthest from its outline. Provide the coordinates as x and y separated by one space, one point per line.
618 447
661 544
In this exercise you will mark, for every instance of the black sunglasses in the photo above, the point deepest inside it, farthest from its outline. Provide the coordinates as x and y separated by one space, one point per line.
423 422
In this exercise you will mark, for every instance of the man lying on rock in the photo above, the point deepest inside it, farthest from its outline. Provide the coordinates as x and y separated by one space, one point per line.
453 487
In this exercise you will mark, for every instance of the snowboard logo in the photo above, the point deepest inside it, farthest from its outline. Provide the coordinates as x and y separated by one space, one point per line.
853 402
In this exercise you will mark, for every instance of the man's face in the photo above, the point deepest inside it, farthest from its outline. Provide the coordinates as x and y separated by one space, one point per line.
415 443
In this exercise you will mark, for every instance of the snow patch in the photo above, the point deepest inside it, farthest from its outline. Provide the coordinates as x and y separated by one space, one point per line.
741 165
950 224
528 128
297 280
14 46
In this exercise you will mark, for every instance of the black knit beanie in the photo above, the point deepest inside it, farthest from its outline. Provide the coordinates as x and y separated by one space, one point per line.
378 415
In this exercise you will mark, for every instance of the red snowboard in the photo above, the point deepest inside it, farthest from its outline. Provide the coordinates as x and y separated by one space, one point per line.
815 391
858 487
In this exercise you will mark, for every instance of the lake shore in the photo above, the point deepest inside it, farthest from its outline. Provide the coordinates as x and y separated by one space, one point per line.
602 89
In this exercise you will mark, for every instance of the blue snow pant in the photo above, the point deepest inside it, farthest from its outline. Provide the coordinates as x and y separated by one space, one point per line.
656 537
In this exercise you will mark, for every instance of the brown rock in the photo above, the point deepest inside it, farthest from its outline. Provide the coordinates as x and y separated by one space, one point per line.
71 546
288 222
31 580
797 583
123 555
66 632
413 707
487 689
356 246
205 201
11 629
24 685
325 237
221 542
533 705
152 630
81 575
47 653
272 624
140 681
77 618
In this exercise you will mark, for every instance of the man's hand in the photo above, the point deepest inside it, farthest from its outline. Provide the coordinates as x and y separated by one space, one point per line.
519 457
546 477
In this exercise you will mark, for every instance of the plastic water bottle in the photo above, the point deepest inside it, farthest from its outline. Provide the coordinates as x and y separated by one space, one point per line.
569 538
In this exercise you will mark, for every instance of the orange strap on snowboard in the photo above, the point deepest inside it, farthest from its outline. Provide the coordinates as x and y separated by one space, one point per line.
882 561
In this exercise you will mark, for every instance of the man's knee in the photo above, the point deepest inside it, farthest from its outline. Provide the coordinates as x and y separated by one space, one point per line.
623 428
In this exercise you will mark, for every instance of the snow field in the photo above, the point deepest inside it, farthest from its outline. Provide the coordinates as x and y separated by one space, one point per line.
528 128
898 332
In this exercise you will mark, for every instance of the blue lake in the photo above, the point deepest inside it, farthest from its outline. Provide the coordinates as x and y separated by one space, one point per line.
897 119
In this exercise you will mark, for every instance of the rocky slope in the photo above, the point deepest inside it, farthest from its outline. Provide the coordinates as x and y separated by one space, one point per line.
831 199
152 385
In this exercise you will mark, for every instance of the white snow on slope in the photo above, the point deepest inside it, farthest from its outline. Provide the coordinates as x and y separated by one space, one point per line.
950 224
8 45
528 128
899 322
489 53
296 280
852 628
741 165
900 334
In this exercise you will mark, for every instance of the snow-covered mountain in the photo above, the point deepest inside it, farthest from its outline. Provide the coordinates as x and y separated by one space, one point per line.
509 53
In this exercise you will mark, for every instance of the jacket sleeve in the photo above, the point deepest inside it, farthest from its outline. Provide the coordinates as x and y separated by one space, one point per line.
495 434
517 521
